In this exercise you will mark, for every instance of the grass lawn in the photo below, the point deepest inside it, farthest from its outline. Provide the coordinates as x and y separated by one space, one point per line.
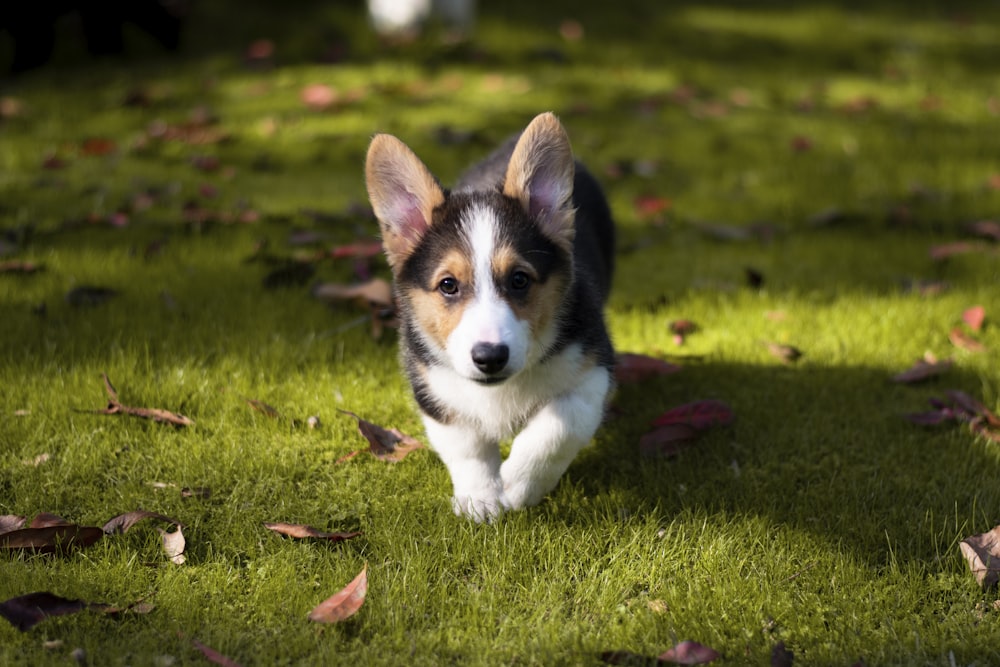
825 149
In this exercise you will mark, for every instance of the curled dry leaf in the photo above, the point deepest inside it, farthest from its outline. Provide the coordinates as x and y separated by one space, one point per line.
385 444
9 522
343 604
123 522
20 266
303 531
923 369
689 653
781 656
155 414
89 296
173 545
631 368
667 441
982 552
964 341
261 406
974 317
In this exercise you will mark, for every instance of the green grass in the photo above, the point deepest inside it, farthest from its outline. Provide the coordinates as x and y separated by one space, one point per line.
821 519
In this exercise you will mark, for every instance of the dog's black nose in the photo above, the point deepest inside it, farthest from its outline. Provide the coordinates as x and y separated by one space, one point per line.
490 358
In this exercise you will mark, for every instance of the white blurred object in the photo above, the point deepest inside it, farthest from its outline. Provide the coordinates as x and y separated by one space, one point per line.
406 18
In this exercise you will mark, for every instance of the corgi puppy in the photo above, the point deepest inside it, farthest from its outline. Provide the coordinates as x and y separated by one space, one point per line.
500 286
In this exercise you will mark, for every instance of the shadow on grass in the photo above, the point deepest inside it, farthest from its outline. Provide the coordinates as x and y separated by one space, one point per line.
826 451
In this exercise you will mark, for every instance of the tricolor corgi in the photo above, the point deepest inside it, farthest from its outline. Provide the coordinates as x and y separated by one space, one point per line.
500 285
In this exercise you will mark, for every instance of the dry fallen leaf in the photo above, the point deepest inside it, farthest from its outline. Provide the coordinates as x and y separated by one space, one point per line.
982 552
923 369
676 429
974 317
786 353
27 611
681 329
385 444
122 522
781 657
343 604
689 653
375 291
9 522
214 656
962 340
303 531
49 537
155 414
261 406
631 368
173 545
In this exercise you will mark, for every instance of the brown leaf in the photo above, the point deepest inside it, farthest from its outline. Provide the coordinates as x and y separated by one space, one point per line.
627 658
923 369
681 329
19 266
173 545
356 250
944 251
962 340
631 368
86 295
26 611
319 96
786 353
375 291
974 317
9 522
51 539
780 656
303 531
261 406
47 520
123 522
214 656
343 604
700 415
196 492
96 146
385 444
154 414
982 552
989 229
689 653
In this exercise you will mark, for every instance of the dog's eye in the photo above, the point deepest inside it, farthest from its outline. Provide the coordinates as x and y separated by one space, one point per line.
519 281
448 286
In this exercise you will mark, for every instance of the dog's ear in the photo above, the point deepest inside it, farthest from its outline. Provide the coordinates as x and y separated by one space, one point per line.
403 193
540 176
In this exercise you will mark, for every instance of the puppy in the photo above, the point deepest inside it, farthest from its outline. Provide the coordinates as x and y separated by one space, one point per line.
500 286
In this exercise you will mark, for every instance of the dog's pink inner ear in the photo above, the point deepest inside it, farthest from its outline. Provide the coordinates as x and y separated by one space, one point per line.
540 175
403 193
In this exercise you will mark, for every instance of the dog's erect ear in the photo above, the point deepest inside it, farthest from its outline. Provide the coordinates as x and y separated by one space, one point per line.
540 176
403 193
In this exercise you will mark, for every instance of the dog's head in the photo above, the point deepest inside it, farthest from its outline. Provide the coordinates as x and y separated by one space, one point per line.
481 276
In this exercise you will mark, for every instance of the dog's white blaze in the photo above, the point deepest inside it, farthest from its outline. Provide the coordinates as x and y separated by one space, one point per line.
488 318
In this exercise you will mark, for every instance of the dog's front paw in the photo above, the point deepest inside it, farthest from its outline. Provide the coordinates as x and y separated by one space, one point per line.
480 507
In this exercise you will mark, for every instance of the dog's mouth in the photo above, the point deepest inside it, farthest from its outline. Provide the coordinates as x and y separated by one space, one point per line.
490 380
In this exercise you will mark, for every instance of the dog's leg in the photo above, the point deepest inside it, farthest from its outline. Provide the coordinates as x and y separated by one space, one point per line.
474 465
541 453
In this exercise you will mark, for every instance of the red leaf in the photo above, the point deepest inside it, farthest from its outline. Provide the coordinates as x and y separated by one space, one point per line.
214 656
630 368
47 520
946 250
343 604
370 249
964 341
689 653
974 317
929 418
648 206
302 531
96 146
982 552
699 415
667 441
385 444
